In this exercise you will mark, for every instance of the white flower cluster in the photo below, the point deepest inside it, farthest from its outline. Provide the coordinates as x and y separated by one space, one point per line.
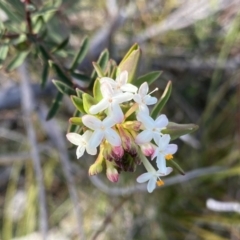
126 142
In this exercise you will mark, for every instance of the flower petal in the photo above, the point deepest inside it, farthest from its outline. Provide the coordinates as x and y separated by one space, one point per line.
151 184
128 87
80 150
144 137
122 97
161 164
91 151
148 100
108 80
91 122
87 135
112 137
106 90
147 121
137 98
161 121
122 78
116 113
109 121
143 108
143 90
74 138
102 105
96 139
171 149
144 177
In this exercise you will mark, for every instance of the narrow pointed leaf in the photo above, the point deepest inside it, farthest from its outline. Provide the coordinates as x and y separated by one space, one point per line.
98 69
55 106
63 88
61 45
81 54
149 78
162 101
96 90
79 92
177 130
46 56
88 101
3 53
102 63
62 75
78 103
80 76
174 165
45 73
17 60
39 24
130 62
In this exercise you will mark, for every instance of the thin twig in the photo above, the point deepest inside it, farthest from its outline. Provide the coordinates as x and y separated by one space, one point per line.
108 219
56 136
28 16
27 108
125 191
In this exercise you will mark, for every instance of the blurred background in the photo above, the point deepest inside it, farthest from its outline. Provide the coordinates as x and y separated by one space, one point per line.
44 188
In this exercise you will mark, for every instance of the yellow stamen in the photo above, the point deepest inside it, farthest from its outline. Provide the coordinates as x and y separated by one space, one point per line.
160 183
168 156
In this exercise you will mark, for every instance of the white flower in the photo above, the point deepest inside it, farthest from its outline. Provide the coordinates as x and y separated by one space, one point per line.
153 178
164 149
102 129
120 84
143 98
152 127
82 142
111 100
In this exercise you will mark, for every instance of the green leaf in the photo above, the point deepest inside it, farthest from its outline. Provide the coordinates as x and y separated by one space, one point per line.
162 101
98 70
45 54
38 24
130 62
61 74
96 90
81 54
78 103
88 101
176 166
61 45
79 92
80 76
102 63
17 60
56 103
177 130
63 88
75 122
3 53
45 73
149 78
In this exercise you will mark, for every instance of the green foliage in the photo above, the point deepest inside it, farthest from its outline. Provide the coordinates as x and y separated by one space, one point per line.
149 78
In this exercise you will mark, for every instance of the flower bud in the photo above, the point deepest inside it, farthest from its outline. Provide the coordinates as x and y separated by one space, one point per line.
112 172
147 149
133 125
112 153
95 168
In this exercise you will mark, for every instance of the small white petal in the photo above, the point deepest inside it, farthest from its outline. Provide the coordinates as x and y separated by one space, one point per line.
74 138
151 184
96 139
91 122
143 90
137 98
99 107
147 121
171 149
122 78
108 80
109 121
144 177
80 150
87 135
161 121
144 137
106 90
91 151
161 164
169 170
143 109
112 137
148 100
155 153
116 112
123 97
129 88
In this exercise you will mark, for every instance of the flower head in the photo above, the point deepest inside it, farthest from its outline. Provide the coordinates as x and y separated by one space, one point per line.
82 142
153 178
164 150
